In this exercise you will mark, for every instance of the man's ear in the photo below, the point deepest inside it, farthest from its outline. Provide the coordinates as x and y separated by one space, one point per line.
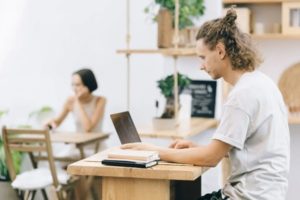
220 47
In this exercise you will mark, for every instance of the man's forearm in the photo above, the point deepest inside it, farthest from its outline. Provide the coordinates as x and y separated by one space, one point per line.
197 155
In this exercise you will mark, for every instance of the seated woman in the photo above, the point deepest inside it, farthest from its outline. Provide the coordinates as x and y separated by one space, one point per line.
87 108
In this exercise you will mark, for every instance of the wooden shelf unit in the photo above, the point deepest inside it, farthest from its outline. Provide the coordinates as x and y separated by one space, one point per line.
275 36
166 52
254 6
192 51
185 129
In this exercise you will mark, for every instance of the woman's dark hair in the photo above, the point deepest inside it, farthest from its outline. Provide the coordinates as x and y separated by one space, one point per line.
238 45
88 79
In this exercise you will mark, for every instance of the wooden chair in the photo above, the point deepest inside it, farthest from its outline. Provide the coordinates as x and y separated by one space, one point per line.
35 142
289 85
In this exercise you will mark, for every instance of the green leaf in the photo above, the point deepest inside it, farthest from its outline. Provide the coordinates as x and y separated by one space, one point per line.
166 85
44 109
25 126
17 161
3 112
188 9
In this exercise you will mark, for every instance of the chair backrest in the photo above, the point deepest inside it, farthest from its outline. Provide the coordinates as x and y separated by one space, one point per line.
30 141
289 85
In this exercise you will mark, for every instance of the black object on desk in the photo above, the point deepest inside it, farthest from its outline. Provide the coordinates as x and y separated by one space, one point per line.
126 163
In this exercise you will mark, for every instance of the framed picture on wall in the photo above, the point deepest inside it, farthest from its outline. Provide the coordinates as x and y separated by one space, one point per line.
203 94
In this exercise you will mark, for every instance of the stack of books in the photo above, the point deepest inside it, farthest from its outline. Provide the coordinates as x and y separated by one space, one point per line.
131 158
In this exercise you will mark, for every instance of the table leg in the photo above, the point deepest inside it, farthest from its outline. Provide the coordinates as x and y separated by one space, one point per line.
182 190
135 189
88 180
82 155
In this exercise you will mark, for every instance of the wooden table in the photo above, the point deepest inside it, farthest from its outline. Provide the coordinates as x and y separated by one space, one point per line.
80 140
186 128
161 182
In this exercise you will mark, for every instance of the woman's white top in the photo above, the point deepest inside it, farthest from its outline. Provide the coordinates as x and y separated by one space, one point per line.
89 108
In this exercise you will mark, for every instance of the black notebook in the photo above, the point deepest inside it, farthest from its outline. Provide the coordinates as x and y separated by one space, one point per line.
126 163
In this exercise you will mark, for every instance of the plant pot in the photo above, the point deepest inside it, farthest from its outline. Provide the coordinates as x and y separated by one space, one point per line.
165 34
164 28
164 124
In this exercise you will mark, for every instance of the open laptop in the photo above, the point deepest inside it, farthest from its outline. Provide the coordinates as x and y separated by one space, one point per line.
125 127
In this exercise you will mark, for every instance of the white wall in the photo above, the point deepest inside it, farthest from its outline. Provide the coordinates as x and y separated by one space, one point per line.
43 42
52 39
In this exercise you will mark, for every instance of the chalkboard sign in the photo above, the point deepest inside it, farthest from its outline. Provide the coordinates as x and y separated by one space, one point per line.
203 98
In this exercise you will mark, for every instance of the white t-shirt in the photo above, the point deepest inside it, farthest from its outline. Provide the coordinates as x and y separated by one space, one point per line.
254 122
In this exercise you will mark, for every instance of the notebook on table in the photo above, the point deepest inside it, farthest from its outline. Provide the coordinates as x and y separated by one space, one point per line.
127 133
127 163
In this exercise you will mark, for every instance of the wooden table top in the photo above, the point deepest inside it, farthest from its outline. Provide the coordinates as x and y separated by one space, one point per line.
92 166
186 128
76 138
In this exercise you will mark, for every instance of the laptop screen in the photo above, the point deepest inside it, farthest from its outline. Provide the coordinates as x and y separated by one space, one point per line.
125 127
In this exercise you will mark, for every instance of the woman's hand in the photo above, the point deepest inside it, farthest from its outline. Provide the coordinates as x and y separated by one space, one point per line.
51 124
182 144
140 146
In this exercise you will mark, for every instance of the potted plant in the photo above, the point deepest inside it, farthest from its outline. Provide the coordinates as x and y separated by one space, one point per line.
17 158
189 10
166 86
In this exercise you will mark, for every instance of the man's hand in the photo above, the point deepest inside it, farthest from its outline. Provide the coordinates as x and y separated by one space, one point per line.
182 144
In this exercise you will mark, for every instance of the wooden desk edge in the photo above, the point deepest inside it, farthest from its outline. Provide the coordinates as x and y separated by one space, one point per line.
77 168
209 124
105 135
55 139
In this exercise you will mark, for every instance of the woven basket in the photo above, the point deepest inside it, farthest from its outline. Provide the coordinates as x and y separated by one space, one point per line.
289 85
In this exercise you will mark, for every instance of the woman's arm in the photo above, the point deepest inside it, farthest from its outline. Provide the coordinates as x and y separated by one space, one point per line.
60 118
89 123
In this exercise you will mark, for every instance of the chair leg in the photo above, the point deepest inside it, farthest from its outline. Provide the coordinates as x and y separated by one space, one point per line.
44 194
33 194
60 195
19 194
26 195
70 194
94 193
